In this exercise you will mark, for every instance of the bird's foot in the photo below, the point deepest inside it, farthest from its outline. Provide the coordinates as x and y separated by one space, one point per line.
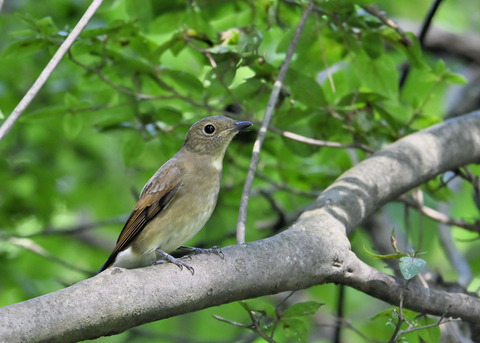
176 261
195 251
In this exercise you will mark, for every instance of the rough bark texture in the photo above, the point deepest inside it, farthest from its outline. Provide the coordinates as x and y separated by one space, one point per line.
313 251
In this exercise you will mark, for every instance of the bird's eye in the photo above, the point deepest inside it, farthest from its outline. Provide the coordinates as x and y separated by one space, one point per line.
209 129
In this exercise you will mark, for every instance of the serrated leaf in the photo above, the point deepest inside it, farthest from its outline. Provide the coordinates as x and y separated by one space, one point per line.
302 309
411 266
383 257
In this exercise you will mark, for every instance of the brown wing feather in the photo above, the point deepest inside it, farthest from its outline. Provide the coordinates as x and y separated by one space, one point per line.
157 193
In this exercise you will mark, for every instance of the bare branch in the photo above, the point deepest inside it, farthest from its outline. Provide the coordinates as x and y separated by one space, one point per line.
439 216
317 142
373 10
277 86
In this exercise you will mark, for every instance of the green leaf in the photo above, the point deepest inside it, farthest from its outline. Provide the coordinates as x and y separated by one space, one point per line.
133 148
45 112
305 89
72 124
455 78
413 52
175 45
411 266
299 148
182 81
372 43
168 115
387 116
24 47
70 100
296 329
46 26
378 75
440 68
383 257
302 309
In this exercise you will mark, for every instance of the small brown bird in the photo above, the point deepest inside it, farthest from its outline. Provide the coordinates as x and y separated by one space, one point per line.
178 200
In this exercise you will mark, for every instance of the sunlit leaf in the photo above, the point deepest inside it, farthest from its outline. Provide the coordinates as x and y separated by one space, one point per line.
302 309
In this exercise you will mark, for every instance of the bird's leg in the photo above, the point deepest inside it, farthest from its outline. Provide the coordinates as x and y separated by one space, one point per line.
195 251
176 261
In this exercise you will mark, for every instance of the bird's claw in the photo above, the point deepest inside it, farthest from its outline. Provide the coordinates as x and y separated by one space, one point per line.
176 261
195 251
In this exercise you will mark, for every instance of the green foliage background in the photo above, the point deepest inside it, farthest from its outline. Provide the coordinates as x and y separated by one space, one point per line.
142 72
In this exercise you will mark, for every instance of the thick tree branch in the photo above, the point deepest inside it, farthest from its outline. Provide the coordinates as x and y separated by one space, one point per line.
312 251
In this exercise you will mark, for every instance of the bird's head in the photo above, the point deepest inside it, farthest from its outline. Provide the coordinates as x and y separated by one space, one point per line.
212 135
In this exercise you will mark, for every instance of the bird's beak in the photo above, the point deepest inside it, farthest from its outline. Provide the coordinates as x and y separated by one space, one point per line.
240 125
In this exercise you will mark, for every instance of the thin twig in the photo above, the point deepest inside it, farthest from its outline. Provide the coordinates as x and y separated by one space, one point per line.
373 10
277 86
421 36
318 142
52 64
258 329
428 21
411 327
232 322
30 245
439 216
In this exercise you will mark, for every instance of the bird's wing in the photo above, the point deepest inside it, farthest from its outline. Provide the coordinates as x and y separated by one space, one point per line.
154 198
